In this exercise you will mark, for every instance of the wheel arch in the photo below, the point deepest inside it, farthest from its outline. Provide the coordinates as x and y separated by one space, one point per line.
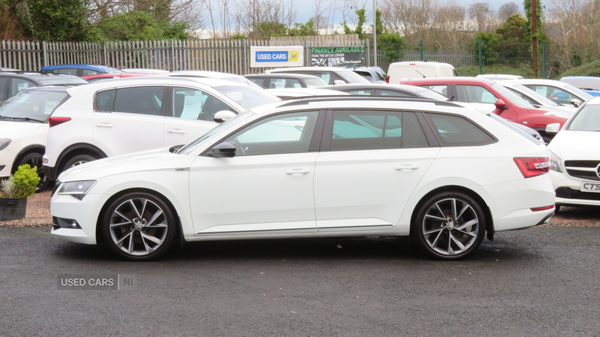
455 188
25 151
77 149
99 236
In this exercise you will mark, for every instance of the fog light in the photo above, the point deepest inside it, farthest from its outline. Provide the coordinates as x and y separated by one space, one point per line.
64 223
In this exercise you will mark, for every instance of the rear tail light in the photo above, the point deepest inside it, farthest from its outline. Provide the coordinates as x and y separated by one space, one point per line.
54 121
544 208
387 79
533 166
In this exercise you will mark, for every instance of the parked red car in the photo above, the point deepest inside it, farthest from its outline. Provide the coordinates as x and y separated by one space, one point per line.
99 77
485 91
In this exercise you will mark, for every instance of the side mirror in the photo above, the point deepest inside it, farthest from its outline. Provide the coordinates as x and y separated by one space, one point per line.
222 150
553 128
500 106
576 102
336 82
224 116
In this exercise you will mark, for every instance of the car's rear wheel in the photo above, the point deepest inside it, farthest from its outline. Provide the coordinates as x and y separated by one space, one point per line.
78 160
138 226
450 225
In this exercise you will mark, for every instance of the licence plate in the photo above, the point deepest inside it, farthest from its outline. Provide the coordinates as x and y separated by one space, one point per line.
590 187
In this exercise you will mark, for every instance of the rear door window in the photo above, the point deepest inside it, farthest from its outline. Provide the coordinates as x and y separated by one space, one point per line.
373 130
139 100
474 94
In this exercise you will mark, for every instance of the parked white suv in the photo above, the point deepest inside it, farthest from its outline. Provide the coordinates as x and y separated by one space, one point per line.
115 117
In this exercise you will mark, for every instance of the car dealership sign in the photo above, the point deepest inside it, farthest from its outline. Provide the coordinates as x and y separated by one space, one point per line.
280 56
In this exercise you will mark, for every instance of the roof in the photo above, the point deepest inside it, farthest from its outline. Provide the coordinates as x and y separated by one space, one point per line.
100 68
451 80
45 78
282 75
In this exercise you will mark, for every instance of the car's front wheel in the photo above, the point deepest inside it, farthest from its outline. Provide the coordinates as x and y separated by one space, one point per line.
34 159
450 225
138 226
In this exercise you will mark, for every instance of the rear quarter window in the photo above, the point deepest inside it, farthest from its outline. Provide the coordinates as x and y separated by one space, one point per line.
454 130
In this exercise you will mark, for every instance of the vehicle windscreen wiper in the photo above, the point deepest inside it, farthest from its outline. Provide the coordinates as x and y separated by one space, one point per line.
22 119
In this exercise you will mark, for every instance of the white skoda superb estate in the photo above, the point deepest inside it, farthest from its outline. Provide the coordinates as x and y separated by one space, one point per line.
443 174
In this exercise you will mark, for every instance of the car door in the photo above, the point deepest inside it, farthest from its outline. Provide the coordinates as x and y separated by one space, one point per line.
129 119
369 164
190 114
267 187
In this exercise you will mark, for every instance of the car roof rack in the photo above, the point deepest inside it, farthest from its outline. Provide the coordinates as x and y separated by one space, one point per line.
307 100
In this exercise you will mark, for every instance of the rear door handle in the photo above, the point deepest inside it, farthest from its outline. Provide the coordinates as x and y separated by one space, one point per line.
407 167
297 171
177 131
104 125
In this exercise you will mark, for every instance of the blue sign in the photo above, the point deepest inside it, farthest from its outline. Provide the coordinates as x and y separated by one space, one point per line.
271 56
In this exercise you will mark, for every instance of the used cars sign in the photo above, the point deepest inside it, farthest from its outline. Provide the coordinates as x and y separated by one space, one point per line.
280 56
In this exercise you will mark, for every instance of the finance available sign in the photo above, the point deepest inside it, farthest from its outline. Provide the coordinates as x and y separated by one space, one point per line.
284 56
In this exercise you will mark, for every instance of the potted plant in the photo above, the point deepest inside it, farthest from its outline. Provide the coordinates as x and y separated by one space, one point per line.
15 190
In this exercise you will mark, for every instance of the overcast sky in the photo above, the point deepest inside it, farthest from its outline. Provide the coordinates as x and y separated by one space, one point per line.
306 8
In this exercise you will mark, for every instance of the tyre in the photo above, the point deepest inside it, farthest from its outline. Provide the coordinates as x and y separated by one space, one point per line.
78 160
35 159
449 226
138 226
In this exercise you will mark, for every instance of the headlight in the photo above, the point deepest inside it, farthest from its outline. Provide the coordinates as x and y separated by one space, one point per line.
555 162
4 143
76 189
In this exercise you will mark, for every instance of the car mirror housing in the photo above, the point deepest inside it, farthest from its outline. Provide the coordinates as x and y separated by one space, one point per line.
553 128
223 150
576 102
224 116
500 105
336 82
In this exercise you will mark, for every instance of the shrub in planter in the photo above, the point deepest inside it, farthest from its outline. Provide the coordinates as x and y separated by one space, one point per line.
15 190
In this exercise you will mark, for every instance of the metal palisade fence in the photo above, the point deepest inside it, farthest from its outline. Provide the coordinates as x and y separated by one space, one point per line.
224 55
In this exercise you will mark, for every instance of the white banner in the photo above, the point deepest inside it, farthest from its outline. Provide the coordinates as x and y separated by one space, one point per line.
281 56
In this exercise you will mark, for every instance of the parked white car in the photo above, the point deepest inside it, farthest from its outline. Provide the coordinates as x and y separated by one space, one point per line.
322 167
557 91
114 117
331 75
575 158
24 126
536 99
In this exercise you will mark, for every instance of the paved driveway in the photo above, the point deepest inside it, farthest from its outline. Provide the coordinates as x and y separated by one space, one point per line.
535 282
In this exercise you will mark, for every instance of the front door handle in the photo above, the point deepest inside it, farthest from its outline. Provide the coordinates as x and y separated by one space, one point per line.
177 131
407 167
297 171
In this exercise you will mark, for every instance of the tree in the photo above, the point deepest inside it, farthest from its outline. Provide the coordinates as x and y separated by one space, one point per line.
507 10
512 37
539 32
57 20
266 29
362 18
390 46
480 12
138 25
303 29
489 45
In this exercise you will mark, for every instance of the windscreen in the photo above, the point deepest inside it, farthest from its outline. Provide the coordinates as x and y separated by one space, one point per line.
33 104
246 96
587 119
